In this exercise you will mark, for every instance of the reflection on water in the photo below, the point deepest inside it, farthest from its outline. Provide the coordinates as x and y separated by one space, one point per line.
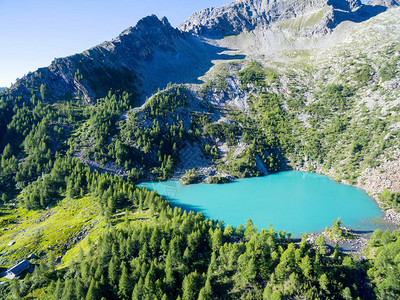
168 189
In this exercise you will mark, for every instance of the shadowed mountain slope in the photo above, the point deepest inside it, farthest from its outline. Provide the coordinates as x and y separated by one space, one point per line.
141 59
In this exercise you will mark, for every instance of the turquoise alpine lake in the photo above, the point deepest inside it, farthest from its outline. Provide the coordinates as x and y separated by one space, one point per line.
297 202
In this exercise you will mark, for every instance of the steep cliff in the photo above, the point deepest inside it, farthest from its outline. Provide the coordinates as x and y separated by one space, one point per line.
141 59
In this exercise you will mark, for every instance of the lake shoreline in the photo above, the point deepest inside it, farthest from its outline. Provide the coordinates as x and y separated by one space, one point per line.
302 190
353 246
374 186
391 216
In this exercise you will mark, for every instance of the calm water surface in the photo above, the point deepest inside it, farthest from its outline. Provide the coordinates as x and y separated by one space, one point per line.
297 202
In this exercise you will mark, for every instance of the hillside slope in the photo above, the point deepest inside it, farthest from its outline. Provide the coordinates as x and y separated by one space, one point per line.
308 52
252 88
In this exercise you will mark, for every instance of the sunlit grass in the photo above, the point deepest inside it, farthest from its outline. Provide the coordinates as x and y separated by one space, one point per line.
39 232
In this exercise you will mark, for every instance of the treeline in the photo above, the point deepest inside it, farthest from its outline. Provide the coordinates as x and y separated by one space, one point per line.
268 133
35 133
154 136
384 267
391 200
146 142
71 178
184 256
103 121
33 129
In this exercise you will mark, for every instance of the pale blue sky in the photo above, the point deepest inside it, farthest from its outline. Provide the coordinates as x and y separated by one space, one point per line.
34 32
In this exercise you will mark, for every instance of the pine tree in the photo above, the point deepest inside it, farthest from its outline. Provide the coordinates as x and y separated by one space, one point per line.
216 239
306 266
15 289
250 270
206 292
317 266
69 290
267 292
320 242
126 219
212 266
187 256
138 290
59 289
93 291
7 152
169 278
189 286
228 231
323 282
51 261
43 91
346 294
50 290
124 286
155 240
149 289
239 231
79 289
250 229
113 270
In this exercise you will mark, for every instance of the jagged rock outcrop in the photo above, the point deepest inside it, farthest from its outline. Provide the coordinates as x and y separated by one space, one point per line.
245 15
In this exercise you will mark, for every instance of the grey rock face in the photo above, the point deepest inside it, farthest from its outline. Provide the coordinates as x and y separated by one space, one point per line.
245 15
117 64
148 36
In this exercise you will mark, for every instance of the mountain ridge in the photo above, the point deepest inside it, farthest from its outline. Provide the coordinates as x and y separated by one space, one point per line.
127 62
246 15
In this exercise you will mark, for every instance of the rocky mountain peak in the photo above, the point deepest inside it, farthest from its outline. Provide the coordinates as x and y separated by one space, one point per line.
150 32
110 65
246 15
149 24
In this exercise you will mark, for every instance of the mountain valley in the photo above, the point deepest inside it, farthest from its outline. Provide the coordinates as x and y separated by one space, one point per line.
248 89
